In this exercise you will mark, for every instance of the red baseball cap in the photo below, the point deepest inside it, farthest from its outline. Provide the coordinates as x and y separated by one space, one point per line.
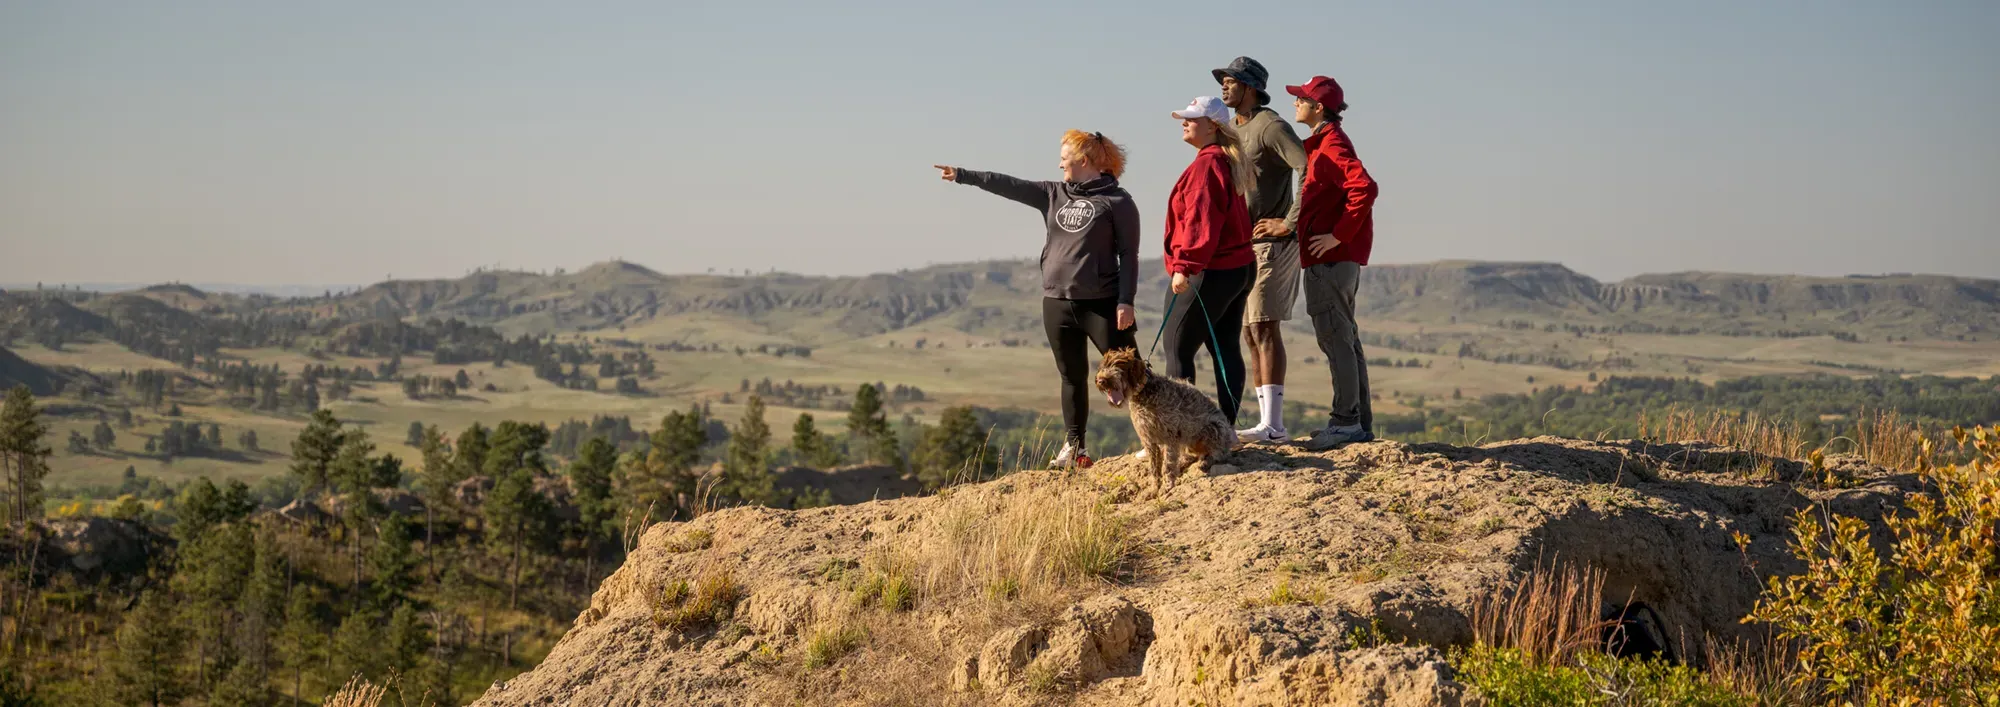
1321 90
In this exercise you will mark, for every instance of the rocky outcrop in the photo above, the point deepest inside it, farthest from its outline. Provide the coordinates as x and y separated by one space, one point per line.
1282 578
97 546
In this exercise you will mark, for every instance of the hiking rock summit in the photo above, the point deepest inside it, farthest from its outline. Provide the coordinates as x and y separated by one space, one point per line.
1281 577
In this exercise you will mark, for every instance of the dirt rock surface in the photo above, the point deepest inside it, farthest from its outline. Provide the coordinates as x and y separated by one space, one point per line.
1282 577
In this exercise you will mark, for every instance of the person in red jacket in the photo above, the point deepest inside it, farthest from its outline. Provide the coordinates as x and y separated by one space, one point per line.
1337 229
1208 252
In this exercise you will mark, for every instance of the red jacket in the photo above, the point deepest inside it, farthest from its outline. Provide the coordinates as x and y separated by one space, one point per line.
1208 223
1338 197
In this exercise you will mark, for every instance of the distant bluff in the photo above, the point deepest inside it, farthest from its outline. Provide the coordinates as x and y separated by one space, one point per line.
1283 578
1002 299
1004 295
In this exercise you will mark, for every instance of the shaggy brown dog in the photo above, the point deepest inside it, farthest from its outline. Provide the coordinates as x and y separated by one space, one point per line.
1177 424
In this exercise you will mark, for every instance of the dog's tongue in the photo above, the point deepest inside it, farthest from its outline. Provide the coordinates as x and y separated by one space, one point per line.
1116 399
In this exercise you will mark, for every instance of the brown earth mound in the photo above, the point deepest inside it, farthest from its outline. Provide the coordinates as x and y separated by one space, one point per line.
1281 578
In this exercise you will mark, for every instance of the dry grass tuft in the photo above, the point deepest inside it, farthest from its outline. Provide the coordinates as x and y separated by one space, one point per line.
712 600
697 539
1551 617
829 643
1026 543
358 692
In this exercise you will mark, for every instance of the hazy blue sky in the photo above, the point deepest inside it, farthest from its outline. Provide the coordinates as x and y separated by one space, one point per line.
268 142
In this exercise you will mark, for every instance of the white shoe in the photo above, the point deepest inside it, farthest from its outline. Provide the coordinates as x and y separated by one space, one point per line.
1070 457
1262 433
1140 455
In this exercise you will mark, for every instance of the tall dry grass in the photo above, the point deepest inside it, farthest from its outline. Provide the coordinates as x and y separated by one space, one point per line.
1766 672
1887 440
1033 541
358 692
1552 616
1769 440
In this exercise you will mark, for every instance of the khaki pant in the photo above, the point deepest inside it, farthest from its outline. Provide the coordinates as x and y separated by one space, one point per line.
1276 288
1330 291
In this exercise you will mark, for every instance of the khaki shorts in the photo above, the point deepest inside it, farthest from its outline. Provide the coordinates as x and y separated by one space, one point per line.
1277 285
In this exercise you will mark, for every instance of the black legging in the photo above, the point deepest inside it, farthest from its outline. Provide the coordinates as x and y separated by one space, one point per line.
1071 323
1222 295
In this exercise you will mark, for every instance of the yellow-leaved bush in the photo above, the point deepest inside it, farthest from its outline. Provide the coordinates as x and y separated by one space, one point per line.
1921 626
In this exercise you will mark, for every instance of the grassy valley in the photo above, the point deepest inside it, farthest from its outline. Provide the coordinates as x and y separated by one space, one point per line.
170 410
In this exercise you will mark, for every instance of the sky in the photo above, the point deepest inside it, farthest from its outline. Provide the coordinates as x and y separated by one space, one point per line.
318 142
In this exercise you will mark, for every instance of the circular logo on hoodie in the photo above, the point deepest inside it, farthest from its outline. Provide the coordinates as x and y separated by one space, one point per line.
1076 215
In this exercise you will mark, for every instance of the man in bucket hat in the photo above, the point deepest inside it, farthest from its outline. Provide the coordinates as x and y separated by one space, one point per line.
1336 223
1273 152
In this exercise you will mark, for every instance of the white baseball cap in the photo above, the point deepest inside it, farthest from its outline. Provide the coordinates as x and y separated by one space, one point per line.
1208 107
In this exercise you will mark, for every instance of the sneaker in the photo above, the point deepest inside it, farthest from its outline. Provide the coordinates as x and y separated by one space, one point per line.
1262 433
1140 455
1071 457
1335 437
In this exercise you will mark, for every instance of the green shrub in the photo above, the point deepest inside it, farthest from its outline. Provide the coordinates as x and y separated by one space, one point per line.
1505 677
1920 626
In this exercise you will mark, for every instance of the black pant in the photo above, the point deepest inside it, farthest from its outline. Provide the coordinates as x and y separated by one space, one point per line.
1070 324
1219 307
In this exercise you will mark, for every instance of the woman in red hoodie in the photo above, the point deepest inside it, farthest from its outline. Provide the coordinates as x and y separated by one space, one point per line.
1208 252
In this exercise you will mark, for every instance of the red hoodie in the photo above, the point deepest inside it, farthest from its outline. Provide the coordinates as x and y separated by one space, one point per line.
1208 223
1338 197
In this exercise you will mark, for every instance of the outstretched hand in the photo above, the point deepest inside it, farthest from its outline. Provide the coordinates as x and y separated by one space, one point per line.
950 174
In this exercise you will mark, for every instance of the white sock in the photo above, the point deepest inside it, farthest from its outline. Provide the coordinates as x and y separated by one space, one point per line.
1271 406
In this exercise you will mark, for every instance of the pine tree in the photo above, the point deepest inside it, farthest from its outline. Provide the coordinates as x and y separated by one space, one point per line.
415 437
248 440
812 447
103 436
514 513
198 509
302 640
868 424
439 477
315 449
954 450
747 472
352 473
663 483
147 669
78 444
403 640
246 685
235 501
471 452
23 455
597 510
214 567
125 418
357 646
391 561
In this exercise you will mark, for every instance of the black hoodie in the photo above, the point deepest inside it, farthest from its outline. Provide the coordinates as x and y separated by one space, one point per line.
1093 233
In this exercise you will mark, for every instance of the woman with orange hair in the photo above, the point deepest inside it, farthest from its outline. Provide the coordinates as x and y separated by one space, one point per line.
1090 265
